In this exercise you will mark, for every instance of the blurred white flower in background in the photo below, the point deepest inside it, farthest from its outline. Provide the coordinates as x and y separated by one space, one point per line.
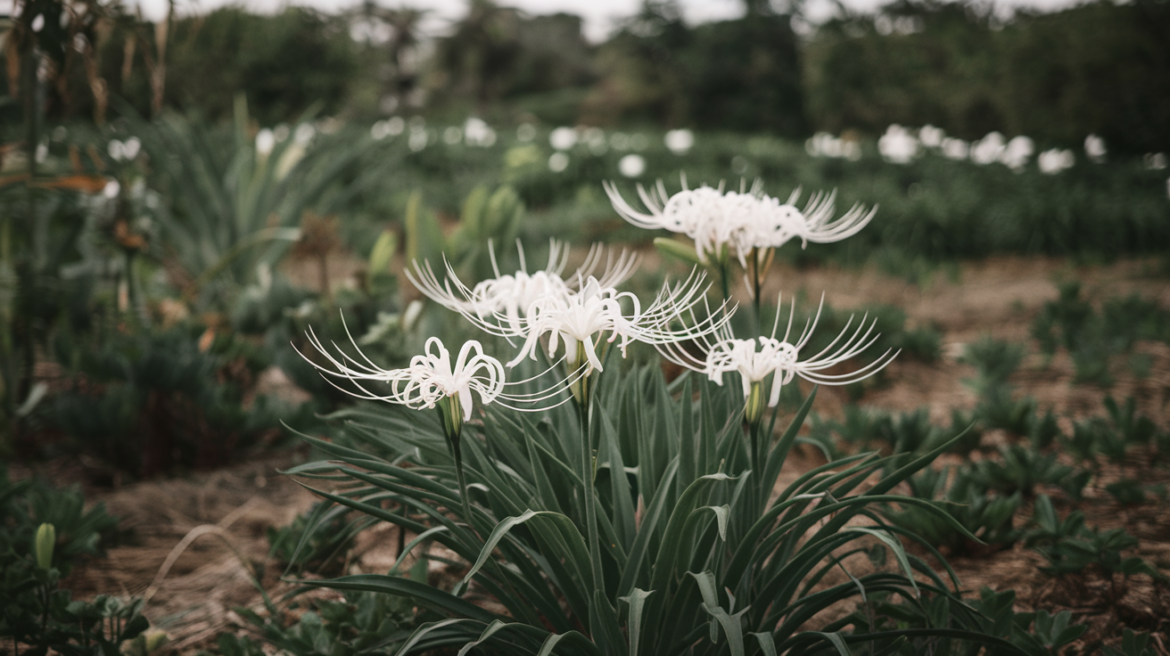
111 189
1095 148
679 141
897 145
619 141
328 125
1055 160
304 134
558 162
380 130
38 23
395 126
1016 153
525 132
42 152
132 147
594 138
632 165
562 138
265 142
417 140
823 144
281 133
478 133
988 149
1154 161
931 137
955 148
117 150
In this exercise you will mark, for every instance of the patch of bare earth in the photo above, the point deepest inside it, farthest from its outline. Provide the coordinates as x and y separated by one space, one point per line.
229 510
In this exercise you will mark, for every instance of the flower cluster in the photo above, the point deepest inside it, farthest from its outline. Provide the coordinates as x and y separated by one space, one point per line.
578 312
740 223
575 319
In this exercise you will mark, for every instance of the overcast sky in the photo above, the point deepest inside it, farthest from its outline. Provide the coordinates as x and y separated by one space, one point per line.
600 15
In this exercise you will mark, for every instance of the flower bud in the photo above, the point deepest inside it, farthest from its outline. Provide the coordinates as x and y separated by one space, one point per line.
754 409
43 545
451 412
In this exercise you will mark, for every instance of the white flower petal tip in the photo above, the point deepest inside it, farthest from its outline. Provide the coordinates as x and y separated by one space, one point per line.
740 222
756 359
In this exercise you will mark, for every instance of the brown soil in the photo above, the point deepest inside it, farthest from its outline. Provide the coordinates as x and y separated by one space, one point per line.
228 511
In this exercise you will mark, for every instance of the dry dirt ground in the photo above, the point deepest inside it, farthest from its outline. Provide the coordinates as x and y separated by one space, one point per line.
194 543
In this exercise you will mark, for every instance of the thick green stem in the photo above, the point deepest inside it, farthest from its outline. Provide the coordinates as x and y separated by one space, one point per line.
757 287
451 417
584 411
461 477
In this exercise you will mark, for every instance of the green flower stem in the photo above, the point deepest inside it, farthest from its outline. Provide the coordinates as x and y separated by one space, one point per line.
753 415
757 286
451 417
584 403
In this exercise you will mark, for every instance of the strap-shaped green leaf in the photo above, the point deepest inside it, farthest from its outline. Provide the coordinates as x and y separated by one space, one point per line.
894 546
636 600
491 630
603 626
730 623
767 644
423 594
651 519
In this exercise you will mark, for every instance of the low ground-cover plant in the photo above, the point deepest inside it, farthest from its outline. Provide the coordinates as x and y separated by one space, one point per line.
1070 547
360 623
315 541
150 401
979 510
1094 338
44 533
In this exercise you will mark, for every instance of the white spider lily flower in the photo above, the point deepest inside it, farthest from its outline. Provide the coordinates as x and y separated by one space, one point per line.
580 321
500 305
758 358
723 223
431 378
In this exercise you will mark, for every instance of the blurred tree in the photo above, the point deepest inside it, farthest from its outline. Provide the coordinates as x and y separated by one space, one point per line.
641 72
745 75
1099 68
400 45
474 61
284 63
60 40
742 75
